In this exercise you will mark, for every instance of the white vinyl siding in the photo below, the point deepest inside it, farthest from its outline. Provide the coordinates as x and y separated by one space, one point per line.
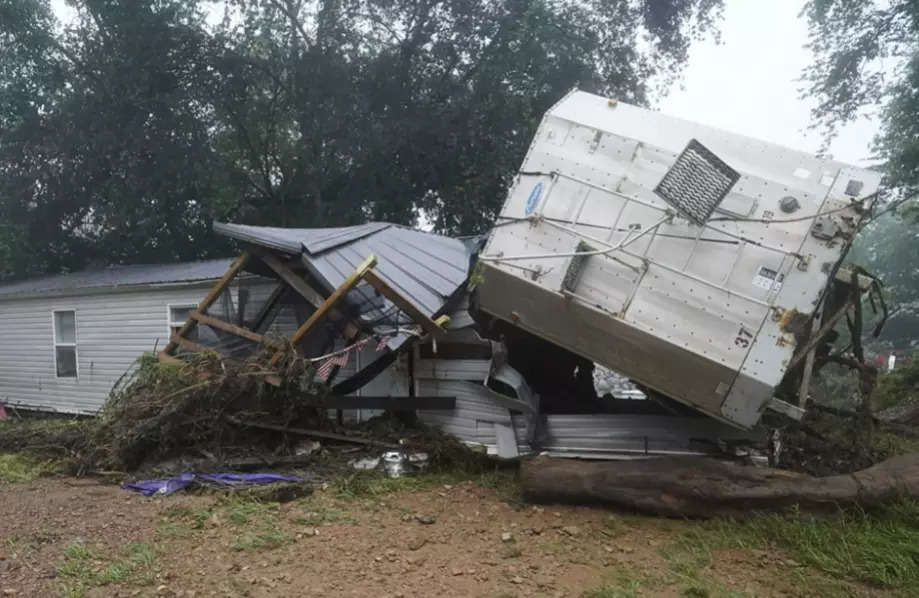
112 330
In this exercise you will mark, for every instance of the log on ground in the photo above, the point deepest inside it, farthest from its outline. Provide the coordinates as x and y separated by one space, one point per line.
704 487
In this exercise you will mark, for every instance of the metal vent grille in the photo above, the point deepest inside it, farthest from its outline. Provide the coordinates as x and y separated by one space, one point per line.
575 267
697 182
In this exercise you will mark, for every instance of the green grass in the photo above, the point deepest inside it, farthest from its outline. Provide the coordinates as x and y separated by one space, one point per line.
373 484
879 548
319 514
16 467
266 539
624 584
79 568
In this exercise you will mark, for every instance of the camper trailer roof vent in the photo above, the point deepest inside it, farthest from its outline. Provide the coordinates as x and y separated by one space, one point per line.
697 182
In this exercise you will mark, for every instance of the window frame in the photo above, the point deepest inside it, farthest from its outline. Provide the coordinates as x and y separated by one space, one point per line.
55 344
169 323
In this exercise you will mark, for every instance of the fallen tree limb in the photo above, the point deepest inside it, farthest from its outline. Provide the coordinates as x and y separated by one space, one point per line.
704 487
312 433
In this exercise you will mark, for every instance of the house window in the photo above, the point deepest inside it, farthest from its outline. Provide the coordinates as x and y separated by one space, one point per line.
178 315
65 343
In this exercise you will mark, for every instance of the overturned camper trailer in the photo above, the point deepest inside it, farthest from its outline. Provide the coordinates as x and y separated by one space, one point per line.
694 261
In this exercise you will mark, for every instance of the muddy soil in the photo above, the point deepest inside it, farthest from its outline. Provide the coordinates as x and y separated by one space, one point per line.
81 537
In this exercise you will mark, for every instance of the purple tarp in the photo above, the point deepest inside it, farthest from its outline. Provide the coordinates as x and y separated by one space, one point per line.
170 485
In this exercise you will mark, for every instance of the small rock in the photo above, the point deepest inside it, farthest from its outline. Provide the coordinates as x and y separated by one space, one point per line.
506 537
424 519
571 530
162 589
416 543
517 579
10 592
457 572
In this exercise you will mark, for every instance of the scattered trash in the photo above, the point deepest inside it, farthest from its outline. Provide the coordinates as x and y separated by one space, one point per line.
365 463
170 485
307 447
393 464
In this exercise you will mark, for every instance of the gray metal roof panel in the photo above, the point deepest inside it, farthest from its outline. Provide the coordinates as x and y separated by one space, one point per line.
424 267
294 240
117 277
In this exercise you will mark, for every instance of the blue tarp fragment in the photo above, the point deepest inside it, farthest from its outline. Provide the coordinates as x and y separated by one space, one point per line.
170 485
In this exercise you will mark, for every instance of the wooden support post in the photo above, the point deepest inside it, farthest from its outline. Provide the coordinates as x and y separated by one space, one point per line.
191 346
808 366
349 283
235 330
225 280
404 304
819 336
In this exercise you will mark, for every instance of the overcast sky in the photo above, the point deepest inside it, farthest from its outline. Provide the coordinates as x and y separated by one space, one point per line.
749 83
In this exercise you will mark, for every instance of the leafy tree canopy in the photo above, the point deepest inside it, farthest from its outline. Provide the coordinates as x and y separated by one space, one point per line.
123 135
867 57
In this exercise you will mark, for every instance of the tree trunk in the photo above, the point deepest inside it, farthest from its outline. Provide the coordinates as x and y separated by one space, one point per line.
705 487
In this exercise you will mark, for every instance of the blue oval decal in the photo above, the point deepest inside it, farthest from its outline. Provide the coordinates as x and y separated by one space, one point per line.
533 199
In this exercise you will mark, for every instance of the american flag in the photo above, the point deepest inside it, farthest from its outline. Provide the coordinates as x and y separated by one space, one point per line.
340 360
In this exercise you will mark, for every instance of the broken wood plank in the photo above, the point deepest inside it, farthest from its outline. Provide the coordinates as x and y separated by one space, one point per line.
404 304
190 345
388 403
818 337
312 433
167 358
225 280
236 330
329 303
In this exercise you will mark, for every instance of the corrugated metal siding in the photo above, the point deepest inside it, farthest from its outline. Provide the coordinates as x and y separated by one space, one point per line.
112 331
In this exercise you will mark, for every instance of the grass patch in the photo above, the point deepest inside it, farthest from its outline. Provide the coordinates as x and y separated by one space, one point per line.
80 568
16 467
879 548
195 517
373 484
317 514
625 584
266 539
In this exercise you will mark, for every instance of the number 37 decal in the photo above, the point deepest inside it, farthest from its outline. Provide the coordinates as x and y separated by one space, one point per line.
743 338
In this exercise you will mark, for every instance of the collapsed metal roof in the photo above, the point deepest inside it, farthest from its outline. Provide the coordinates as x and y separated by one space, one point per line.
426 268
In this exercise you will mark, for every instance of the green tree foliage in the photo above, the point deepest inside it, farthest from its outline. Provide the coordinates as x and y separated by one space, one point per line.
867 57
124 134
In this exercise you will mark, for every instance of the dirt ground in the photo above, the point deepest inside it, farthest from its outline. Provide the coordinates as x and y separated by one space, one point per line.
81 537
